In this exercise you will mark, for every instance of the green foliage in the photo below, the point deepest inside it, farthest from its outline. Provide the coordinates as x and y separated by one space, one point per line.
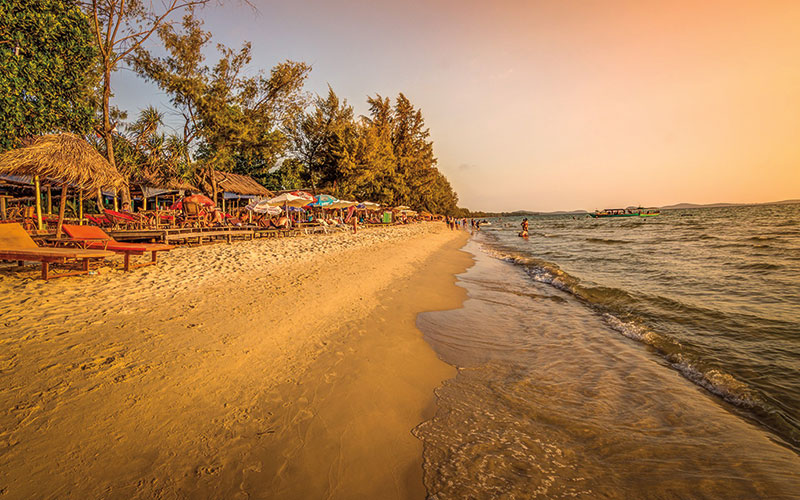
263 126
386 157
233 122
48 72
290 175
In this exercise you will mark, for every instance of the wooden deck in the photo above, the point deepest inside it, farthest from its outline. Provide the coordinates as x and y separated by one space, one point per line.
192 235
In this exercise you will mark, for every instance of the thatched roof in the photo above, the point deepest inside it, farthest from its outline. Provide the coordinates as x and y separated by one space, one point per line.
65 158
241 184
154 181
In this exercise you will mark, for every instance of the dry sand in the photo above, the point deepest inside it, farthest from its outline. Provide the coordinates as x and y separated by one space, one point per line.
265 369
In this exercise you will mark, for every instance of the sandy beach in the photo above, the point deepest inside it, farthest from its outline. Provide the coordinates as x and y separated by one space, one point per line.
284 368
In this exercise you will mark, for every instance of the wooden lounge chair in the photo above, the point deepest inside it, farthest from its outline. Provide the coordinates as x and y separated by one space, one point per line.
193 215
125 219
99 220
17 244
95 238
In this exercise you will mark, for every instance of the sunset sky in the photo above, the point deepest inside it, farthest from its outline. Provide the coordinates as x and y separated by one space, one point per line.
557 105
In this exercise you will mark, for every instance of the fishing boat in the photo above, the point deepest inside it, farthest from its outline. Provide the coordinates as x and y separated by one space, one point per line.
625 212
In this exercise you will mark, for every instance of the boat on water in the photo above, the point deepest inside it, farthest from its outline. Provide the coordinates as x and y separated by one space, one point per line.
625 212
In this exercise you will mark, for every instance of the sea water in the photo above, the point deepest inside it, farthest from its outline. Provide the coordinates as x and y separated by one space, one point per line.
623 358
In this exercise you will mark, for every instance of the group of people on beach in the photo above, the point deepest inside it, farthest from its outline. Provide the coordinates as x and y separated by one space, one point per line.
455 223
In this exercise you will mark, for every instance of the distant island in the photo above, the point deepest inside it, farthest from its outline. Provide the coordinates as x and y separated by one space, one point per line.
681 206
677 206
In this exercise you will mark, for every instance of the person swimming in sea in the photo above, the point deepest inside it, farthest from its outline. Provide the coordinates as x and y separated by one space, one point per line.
524 232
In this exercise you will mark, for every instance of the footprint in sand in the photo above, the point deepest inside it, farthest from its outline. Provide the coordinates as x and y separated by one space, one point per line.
302 416
207 470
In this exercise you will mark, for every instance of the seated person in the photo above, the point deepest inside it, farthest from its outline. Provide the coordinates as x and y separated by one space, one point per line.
214 216
281 222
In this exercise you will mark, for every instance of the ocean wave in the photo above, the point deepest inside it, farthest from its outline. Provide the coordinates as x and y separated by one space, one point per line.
760 266
713 380
720 383
610 302
605 241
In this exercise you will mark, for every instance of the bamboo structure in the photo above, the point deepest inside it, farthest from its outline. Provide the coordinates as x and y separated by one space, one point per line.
66 159
38 194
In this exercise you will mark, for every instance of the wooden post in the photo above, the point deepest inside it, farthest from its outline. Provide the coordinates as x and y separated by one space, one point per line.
116 207
61 206
80 207
49 201
3 212
223 202
38 189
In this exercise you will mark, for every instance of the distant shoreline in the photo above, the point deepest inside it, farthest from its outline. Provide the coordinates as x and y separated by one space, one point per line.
677 206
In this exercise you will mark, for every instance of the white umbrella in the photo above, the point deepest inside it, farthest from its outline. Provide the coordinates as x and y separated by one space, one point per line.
343 204
368 205
289 199
263 207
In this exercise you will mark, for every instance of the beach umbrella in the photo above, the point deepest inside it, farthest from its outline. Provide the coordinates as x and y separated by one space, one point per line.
291 200
263 207
368 205
343 204
303 194
200 199
323 201
66 159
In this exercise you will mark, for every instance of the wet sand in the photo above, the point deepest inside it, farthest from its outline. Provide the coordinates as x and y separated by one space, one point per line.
264 369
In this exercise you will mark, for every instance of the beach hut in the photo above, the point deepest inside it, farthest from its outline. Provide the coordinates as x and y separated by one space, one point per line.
240 187
64 159
152 187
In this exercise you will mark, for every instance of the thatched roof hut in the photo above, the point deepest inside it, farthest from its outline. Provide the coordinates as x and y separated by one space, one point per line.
157 183
64 158
241 185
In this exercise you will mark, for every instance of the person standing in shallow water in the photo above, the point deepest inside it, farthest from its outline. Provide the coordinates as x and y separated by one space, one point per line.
524 232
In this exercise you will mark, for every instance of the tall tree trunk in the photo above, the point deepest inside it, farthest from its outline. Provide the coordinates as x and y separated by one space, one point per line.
61 206
213 177
108 131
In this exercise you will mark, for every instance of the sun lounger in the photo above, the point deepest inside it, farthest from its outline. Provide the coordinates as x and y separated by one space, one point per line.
99 220
17 244
125 219
95 238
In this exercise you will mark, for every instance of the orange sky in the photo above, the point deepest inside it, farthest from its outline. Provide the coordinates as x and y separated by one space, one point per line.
559 104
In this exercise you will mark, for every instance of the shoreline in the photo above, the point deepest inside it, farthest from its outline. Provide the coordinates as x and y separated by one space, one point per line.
551 400
198 376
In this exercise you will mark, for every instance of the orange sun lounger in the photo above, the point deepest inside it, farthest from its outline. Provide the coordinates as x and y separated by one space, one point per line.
95 238
17 244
